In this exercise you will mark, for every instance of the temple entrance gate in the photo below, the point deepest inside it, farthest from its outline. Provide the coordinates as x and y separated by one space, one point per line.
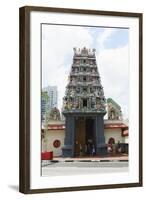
84 106
84 136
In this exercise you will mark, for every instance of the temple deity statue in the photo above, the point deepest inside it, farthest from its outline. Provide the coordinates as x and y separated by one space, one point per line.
114 110
55 114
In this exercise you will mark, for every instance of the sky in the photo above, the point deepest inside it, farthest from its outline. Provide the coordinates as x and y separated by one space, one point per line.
112 56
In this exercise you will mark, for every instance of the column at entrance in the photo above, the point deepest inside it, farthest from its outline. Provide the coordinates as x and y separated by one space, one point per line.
101 148
68 148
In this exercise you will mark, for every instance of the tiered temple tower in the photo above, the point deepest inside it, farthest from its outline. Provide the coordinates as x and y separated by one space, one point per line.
84 106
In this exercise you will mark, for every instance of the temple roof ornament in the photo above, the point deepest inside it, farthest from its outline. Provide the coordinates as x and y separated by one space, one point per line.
84 92
114 110
54 114
84 52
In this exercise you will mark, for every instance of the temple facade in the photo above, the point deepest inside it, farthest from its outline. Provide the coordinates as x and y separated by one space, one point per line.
84 129
115 132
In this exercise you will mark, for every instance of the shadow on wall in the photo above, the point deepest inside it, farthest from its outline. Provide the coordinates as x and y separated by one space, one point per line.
14 187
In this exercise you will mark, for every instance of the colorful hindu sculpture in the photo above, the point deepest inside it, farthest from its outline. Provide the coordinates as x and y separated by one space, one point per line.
84 91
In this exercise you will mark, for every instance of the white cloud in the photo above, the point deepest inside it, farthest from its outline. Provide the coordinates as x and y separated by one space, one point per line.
103 37
58 44
114 71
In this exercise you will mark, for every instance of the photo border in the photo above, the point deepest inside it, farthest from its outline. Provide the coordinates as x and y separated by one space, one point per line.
24 98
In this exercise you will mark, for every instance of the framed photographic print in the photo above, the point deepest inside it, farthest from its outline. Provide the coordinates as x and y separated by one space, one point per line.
80 99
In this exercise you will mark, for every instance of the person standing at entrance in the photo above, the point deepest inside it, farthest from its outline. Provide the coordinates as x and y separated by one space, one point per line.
81 150
93 150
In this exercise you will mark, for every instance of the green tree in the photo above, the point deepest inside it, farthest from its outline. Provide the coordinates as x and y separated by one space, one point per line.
45 98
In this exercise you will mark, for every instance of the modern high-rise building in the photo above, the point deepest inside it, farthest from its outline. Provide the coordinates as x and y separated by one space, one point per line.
44 104
53 96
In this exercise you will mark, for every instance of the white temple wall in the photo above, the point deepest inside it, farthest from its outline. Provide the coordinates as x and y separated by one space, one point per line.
52 135
113 133
126 139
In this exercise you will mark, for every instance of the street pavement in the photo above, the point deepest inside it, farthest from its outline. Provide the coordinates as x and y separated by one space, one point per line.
76 168
95 158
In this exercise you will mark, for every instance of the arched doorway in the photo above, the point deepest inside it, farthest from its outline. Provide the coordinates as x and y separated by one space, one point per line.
111 141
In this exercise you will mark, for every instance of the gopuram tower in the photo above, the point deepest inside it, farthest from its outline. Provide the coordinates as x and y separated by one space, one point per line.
84 107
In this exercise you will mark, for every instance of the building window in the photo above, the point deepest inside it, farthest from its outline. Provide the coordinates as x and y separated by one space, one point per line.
84 78
84 102
56 143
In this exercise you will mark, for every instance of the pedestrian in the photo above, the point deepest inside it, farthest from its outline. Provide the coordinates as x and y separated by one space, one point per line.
81 150
109 148
93 150
86 149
